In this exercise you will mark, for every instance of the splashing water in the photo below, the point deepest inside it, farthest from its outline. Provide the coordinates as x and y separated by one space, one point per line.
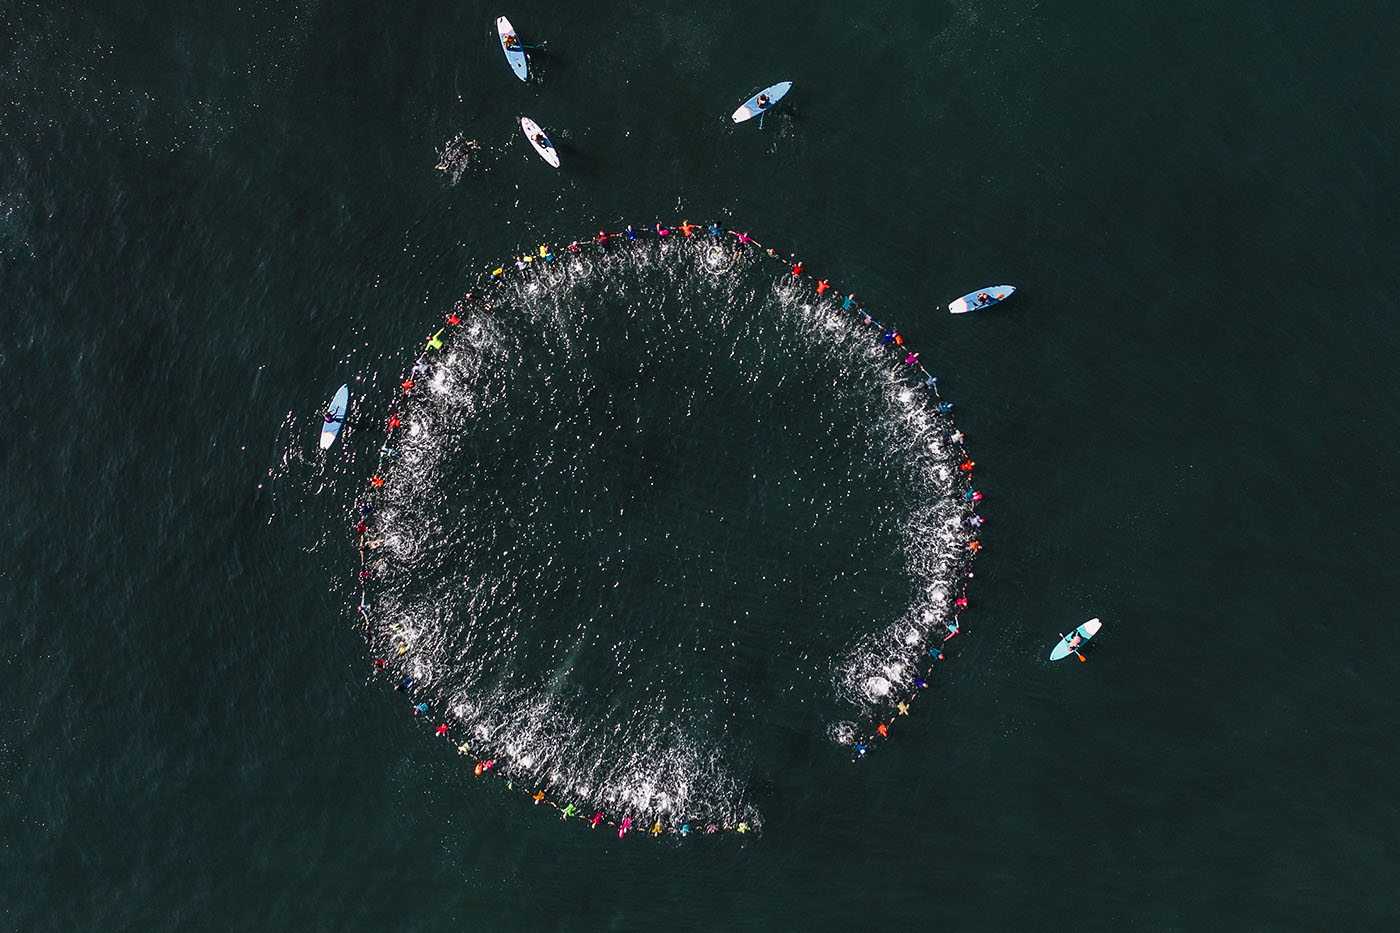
643 499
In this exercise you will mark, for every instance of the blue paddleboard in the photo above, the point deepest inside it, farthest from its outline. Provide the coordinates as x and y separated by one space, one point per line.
510 44
1075 639
982 298
751 108
334 417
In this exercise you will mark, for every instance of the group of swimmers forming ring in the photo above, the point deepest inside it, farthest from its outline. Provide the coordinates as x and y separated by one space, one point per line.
880 722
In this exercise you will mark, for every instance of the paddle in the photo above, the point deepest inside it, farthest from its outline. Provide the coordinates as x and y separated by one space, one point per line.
531 48
1071 648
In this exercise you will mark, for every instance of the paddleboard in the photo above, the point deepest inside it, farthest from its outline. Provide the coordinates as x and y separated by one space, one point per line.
1085 632
337 409
972 302
751 109
514 54
545 149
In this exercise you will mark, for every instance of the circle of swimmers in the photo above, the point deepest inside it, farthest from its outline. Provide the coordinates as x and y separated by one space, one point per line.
880 722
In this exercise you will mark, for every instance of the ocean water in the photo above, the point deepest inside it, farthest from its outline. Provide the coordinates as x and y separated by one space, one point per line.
1183 423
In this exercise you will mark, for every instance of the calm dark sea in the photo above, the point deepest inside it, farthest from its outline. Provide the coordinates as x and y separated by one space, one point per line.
213 215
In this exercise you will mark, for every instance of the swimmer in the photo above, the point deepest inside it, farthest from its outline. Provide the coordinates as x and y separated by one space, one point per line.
405 685
442 728
602 239
903 708
932 382
971 495
388 452
716 230
394 422
489 764
656 828
463 748
662 231
883 729
361 528
631 234
974 546
567 812
420 709
539 795
848 302
597 818
742 827
626 825
911 359
957 437
379 664
967 465
822 286
453 319
953 628
688 228
888 338
960 602
744 238
860 750
975 521
796 269
573 247
520 264
920 683
868 318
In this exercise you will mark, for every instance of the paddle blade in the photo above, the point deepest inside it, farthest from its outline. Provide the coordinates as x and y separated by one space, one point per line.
1080 657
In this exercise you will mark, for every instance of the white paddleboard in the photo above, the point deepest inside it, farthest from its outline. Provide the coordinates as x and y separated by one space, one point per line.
1085 632
972 301
750 108
335 411
515 54
545 149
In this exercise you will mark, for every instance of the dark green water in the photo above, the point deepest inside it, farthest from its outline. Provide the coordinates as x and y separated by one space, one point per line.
1184 425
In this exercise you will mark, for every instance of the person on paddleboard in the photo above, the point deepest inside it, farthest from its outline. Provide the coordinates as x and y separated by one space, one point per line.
762 102
983 298
333 418
510 41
